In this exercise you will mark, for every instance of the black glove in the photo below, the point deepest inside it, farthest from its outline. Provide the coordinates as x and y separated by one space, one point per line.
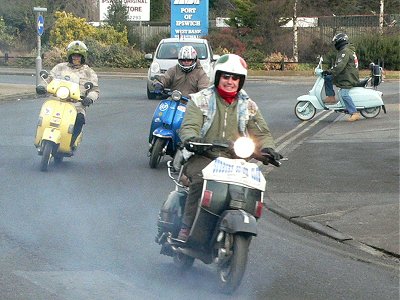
86 101
190 147
158 87
326 72
272 153
41 90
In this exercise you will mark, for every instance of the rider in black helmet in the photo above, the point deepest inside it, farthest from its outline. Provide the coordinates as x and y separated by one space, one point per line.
344 74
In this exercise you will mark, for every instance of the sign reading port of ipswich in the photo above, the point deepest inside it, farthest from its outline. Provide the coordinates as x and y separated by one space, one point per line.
40 25
189 18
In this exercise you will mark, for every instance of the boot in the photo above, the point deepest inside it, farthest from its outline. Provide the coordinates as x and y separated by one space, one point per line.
354 117
330 100
183 234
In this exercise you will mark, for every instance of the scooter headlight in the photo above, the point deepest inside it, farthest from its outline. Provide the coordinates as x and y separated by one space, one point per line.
62 92
176 95
244 147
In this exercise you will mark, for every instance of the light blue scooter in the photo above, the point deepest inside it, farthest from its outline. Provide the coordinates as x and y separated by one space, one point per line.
367 100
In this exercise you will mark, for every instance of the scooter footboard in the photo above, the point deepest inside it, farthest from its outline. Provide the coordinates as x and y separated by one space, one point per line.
234 221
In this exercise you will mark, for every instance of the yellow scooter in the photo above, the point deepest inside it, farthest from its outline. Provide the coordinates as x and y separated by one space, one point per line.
57 118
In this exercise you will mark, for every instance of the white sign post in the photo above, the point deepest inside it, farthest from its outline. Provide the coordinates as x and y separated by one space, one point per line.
40 30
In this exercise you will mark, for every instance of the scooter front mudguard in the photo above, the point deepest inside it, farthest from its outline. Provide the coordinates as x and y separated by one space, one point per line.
163 133
160 116
312 99
233 221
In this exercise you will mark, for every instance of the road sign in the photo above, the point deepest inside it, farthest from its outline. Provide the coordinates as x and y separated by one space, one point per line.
40 25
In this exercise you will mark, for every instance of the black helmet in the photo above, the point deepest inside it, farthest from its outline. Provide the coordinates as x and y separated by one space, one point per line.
340 40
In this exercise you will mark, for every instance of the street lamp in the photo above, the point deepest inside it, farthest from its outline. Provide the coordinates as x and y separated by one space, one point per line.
40 29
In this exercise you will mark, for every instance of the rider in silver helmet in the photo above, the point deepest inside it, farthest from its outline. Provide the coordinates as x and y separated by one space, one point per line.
187 76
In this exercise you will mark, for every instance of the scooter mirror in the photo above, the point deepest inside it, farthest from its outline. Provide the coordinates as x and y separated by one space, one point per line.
44 74
88 85
41 90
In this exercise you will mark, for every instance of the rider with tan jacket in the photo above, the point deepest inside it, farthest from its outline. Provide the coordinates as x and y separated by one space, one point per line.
187 76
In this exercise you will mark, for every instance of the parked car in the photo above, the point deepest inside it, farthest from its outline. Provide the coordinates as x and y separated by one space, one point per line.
166 56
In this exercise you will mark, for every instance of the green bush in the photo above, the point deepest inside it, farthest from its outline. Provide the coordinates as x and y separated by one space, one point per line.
255 59
226 38
53 56
150 44
378 49
114 56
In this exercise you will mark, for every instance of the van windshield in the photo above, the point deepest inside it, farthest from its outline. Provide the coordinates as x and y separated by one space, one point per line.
171 50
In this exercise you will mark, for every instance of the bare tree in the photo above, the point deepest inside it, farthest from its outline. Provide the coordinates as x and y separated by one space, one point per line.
295 46
381 17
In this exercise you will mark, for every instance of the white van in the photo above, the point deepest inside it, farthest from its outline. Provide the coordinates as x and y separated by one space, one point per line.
166 56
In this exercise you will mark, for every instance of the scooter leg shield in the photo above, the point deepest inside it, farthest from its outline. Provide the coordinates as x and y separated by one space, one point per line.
238 221
171 212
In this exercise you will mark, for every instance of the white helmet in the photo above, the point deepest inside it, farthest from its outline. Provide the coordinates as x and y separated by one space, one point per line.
232 64
187 52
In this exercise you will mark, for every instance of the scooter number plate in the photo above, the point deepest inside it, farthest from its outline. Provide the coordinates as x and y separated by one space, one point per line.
235 171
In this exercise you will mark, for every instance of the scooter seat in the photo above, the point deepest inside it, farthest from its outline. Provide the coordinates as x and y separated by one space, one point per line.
362 83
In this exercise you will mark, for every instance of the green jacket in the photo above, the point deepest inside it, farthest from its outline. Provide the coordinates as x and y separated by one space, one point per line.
210 117
345 71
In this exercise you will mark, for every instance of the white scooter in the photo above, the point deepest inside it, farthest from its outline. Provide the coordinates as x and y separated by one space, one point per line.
367 100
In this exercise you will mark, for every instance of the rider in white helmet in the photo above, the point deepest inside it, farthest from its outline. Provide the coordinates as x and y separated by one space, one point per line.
221 112
187 76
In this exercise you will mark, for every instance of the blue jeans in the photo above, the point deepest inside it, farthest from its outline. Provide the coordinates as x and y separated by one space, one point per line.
348 102
328 80
344 93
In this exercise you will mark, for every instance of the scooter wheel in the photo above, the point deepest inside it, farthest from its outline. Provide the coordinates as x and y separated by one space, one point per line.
371 112
156 153
46 155
231 272
304 110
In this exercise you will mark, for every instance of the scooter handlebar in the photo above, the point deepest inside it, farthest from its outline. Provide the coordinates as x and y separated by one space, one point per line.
199 147
268 159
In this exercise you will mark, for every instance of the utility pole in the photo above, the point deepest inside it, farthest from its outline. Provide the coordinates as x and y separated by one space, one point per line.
40 30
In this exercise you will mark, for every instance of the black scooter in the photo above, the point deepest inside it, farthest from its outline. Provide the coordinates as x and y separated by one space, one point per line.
226 219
